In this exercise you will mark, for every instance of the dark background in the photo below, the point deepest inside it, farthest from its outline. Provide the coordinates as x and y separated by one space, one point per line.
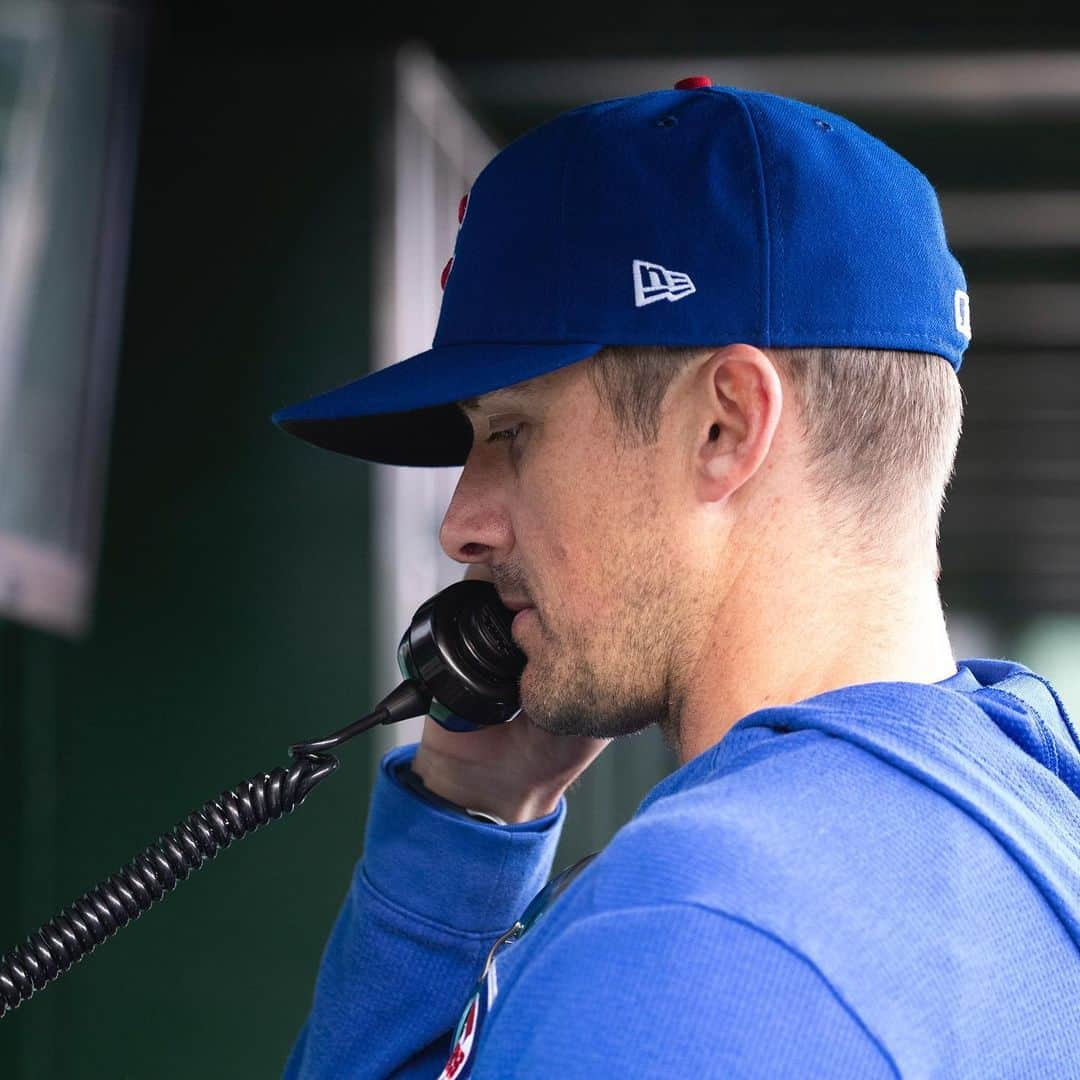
233 597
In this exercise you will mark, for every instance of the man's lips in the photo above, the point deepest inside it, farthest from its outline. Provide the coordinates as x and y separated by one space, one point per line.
516 605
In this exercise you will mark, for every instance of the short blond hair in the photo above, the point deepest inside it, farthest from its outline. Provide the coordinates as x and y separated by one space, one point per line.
881 426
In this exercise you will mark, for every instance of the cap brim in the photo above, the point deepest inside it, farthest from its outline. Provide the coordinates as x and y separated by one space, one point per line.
404 414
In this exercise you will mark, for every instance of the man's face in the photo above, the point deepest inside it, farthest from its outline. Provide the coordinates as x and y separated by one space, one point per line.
595 535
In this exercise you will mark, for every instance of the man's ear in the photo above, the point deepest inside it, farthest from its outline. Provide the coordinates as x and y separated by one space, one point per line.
737 402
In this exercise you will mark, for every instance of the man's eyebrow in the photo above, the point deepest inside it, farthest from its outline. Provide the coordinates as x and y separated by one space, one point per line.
497 399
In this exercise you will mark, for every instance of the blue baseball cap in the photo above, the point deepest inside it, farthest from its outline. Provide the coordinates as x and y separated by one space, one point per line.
704 215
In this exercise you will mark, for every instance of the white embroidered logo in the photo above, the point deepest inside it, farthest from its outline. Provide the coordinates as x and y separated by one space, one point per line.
962 311
653 282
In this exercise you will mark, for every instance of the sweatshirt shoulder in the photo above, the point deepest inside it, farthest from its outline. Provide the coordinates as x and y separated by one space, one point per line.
795 815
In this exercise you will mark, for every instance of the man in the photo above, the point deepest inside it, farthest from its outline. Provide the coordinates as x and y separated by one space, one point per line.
698 354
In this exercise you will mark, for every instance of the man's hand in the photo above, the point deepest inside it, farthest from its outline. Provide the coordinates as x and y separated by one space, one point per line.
515 771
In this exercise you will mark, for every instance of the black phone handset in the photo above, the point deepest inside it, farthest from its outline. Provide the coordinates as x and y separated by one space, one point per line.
460 666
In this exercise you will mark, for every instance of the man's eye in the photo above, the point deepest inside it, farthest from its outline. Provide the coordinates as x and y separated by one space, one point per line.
507 434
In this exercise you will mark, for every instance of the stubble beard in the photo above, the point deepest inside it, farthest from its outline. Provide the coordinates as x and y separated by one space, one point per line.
610 680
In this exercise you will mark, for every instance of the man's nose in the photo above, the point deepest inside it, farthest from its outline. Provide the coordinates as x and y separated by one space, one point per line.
476 526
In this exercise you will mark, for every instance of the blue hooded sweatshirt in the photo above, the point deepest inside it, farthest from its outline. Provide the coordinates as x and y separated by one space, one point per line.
882 880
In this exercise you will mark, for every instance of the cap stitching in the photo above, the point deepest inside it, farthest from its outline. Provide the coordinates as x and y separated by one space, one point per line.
773 201
562 268
863 328
766 305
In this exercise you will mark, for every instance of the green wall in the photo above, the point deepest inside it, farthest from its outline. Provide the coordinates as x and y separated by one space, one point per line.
232 613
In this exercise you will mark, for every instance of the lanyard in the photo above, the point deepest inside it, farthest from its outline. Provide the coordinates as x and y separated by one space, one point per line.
459 1064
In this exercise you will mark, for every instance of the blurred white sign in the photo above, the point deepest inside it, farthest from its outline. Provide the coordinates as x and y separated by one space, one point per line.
433 150
68 104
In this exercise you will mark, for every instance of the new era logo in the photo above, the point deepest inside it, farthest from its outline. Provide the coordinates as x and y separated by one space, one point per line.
653 282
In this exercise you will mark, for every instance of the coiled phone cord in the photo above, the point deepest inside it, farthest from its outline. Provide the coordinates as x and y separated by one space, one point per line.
98 914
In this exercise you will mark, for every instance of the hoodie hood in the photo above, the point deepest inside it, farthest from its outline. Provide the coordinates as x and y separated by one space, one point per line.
995 739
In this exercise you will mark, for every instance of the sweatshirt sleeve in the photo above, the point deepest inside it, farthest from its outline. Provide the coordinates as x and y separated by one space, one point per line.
427 900
674 990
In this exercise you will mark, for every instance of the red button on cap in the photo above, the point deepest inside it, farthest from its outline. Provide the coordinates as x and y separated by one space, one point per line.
694 82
